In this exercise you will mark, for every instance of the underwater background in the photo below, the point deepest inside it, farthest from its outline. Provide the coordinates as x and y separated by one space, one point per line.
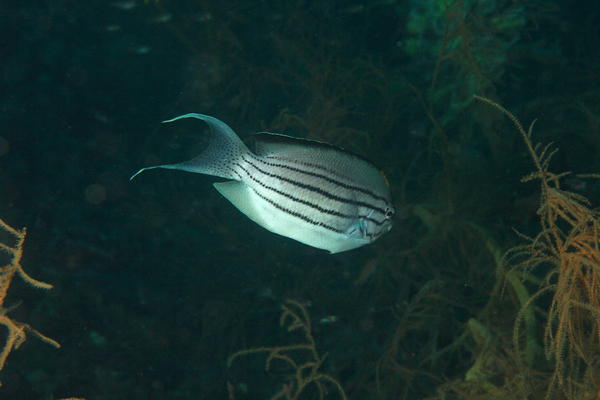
159 281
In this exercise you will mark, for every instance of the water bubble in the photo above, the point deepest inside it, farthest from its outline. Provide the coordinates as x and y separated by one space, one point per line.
95 194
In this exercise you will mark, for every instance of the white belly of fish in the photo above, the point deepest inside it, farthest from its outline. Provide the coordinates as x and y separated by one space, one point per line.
266 201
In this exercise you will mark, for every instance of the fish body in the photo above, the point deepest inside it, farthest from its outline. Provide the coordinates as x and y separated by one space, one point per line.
313 192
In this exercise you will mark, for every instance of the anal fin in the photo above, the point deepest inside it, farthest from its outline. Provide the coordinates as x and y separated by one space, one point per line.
243 198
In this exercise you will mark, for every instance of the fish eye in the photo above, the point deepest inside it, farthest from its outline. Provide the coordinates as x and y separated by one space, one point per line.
389 213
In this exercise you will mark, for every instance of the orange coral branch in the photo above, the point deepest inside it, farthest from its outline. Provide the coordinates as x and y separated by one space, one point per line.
16 330
569 243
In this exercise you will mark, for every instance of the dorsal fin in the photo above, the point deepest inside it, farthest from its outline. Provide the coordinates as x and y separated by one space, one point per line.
339 162
275 143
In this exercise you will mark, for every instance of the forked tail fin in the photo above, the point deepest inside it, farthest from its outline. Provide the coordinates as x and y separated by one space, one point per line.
219 158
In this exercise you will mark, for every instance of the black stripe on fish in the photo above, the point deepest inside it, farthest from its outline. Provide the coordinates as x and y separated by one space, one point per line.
321 176
316 189
277 138
298 215
304 202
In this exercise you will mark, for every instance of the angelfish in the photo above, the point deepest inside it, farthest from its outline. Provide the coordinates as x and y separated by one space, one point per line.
316 193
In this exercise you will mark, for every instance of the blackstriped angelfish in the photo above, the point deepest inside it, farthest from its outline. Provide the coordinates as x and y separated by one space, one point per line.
313 192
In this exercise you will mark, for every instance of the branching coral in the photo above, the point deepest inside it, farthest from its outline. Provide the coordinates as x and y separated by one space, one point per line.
569 244
16 330
306 369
